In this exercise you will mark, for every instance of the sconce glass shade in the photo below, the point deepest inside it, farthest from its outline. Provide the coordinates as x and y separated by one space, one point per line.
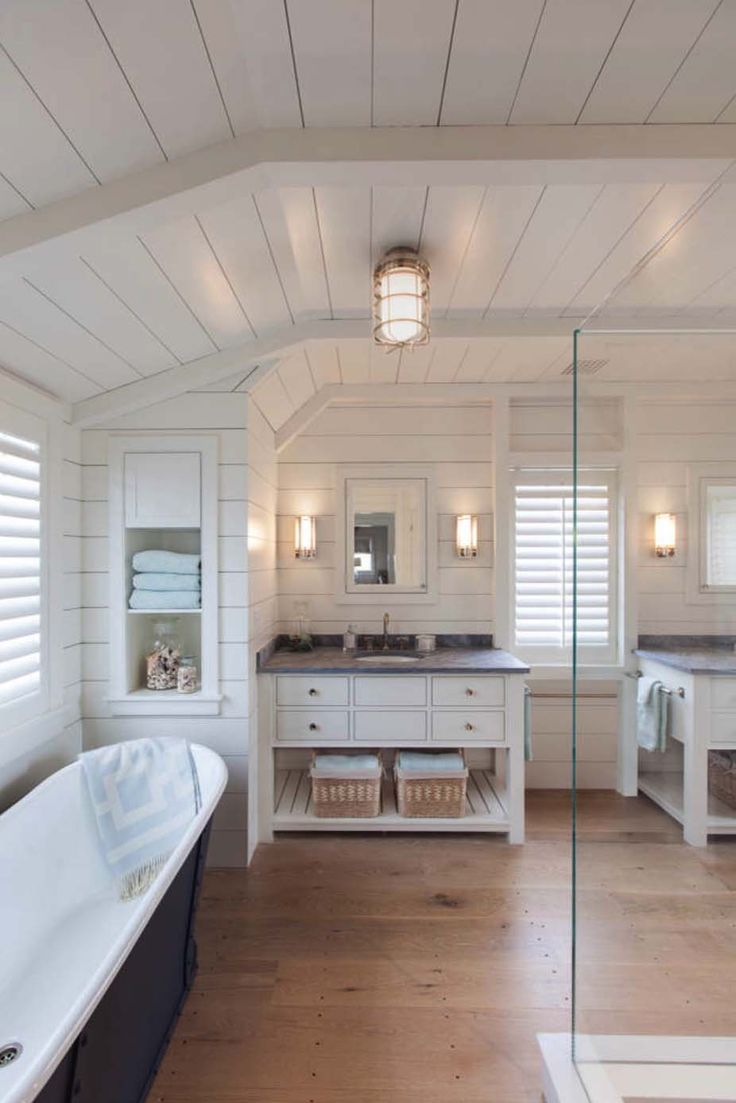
401 300
305 537
665 535
466 536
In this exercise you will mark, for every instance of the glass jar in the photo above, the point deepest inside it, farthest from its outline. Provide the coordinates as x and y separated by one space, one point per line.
186 679
162 662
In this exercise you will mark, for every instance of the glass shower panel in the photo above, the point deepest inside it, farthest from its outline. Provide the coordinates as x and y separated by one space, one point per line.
654 714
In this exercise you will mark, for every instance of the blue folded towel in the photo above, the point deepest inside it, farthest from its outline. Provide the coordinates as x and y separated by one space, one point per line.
652 714
151 581
340 763
165 599
144 794
166 562
424 762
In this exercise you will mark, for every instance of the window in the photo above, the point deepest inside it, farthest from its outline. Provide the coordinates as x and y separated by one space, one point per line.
542 574
20 570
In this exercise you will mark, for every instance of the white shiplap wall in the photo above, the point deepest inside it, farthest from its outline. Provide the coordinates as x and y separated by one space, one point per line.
457 440
225 415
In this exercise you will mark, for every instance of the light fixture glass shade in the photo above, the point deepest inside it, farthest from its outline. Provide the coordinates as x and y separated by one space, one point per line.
466 536
305 537
665 535
401 300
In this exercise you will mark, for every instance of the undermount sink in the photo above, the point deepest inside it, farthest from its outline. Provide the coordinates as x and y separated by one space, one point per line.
380 659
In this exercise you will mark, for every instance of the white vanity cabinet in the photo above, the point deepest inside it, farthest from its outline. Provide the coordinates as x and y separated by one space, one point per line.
702 719
482 713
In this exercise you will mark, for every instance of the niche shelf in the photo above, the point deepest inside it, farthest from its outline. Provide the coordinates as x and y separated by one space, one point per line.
163 495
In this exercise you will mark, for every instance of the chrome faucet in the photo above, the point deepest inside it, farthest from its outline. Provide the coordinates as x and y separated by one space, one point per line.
386 619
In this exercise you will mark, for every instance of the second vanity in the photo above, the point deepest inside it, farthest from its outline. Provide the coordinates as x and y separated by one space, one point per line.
457 696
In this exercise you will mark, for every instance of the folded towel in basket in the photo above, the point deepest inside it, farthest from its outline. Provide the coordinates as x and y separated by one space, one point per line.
167 561
423 762
165 599
152 580
144 794
345 763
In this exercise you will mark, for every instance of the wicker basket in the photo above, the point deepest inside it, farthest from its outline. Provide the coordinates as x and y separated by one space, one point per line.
354 793
722 776
432 794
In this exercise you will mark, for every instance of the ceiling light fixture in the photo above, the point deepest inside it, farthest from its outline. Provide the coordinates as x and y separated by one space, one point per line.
401 299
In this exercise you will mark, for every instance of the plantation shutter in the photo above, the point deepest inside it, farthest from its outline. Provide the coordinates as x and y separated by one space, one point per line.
20 568
543 566
721 533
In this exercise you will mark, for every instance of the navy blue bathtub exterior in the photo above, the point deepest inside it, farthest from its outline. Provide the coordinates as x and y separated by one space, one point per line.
117 1054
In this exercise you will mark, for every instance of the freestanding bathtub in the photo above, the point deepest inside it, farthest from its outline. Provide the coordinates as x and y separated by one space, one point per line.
90 986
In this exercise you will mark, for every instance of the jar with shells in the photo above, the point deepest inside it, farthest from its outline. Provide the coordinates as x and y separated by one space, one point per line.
162 662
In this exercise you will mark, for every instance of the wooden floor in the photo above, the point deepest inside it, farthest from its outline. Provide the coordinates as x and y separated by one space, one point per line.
401 969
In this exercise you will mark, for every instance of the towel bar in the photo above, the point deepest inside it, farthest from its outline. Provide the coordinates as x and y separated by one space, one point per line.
679 692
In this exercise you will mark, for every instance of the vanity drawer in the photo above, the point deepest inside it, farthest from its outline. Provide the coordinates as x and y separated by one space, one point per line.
381 727
468 692
294 689
468 727
723 693
723 727
392 690
311 726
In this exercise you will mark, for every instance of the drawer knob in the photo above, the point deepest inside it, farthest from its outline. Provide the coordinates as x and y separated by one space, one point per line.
314 727
469 692
313 693
468 727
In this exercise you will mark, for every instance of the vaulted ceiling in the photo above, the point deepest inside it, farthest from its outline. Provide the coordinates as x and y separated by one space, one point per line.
198 189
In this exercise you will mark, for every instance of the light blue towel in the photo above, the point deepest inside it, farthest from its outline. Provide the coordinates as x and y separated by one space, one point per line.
166 562
528 750
652 714
425 762
152 581
165 599
144 794
339 763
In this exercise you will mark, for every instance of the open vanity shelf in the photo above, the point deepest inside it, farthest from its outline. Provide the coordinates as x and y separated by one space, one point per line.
293 808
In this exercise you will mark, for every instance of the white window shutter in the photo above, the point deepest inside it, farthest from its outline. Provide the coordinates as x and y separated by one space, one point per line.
20 568
543 564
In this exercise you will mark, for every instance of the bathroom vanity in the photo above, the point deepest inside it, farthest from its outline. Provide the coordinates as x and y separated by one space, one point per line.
702 683
455 697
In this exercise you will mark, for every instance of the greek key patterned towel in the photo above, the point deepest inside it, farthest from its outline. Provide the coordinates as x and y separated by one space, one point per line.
144 794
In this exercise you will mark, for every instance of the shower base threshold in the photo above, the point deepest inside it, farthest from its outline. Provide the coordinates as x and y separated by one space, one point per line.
619 1068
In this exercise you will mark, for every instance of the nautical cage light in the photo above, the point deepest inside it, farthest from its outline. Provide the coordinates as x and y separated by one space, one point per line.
401 299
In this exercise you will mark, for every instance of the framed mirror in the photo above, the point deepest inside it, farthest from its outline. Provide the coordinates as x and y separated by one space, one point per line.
387 532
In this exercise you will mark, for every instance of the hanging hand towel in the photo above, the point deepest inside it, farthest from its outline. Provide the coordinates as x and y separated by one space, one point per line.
165 599
144 794
166 561
652 714
152 581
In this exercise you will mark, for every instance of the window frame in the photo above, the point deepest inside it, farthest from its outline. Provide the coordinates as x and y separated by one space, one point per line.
699 477
605 655
24 425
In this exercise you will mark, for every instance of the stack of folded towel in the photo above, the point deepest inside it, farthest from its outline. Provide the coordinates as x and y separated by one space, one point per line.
166 580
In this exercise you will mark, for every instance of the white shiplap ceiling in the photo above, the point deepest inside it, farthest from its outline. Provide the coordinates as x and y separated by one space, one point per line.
94 91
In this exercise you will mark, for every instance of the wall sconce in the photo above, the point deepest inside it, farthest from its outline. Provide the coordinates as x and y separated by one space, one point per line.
466 536
665 535
305 537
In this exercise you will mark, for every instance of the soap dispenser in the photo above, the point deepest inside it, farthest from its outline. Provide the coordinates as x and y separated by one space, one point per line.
349 639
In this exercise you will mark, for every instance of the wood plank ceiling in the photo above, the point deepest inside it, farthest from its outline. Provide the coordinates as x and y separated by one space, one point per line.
95 90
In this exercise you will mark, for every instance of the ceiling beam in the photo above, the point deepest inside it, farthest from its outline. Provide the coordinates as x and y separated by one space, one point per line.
361 156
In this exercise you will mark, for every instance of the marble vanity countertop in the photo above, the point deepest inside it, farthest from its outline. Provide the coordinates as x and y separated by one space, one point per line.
692 659
445 660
